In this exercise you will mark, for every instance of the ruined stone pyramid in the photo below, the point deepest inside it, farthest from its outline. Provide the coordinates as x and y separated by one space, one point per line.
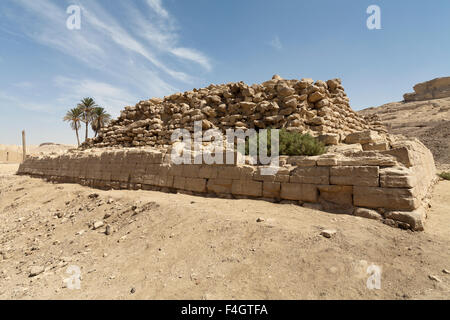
297 105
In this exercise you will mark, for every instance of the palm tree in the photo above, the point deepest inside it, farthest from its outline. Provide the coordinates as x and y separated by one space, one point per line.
87 105
100 118
74 117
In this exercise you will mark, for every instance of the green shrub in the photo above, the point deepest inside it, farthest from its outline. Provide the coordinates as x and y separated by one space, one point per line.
291 144
445 175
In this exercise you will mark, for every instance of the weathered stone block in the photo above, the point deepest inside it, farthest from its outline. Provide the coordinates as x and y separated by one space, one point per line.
301 161
280 175
247 188
208 172
363 137
329 139
415 219
355 176
376 146
179 182
271 189
297 191
327 160
195 184
402 154
342 148
236 172
191 170
397 177
219 185
163 181
367 213
315 97
341 195
311 175
389 198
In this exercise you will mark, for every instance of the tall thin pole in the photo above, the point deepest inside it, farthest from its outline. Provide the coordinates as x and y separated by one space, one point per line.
24 146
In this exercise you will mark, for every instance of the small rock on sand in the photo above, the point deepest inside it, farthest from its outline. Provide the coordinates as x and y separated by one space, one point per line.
328 233
434 278
98 225
36 270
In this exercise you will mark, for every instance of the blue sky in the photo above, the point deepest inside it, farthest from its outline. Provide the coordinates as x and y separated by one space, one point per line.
131 50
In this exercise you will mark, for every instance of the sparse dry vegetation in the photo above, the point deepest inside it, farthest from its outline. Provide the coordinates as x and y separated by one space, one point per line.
445 175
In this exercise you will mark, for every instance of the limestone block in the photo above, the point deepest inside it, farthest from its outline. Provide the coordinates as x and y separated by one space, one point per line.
271 189
219 185
301 161
412 153
152 169
176 170
343 148
415 219
355 176
397 177
195 184
328 160
367 213
236 172
179 183
163 181
341 195
310 175
329 139
389 198
297 191
369 160
247 188
402 154
315 97
363 137
149 179
208 172
281 174
376 146
190 170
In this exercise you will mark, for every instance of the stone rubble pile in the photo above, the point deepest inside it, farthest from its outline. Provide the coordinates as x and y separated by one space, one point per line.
318 108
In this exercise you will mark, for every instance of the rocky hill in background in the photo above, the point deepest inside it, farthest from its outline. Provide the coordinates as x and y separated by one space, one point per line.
424 114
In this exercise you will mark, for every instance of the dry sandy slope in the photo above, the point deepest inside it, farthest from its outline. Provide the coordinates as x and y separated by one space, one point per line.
427 120
185 247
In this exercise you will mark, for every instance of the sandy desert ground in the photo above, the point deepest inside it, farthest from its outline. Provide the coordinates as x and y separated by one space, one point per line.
175 246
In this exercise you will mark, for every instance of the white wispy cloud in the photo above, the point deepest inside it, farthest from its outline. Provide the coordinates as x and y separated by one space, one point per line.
192 55
23 85
137 52
276 43
156 5
104 94
12 101
163 35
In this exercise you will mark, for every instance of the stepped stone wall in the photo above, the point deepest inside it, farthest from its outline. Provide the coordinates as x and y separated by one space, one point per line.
389 185
297 105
